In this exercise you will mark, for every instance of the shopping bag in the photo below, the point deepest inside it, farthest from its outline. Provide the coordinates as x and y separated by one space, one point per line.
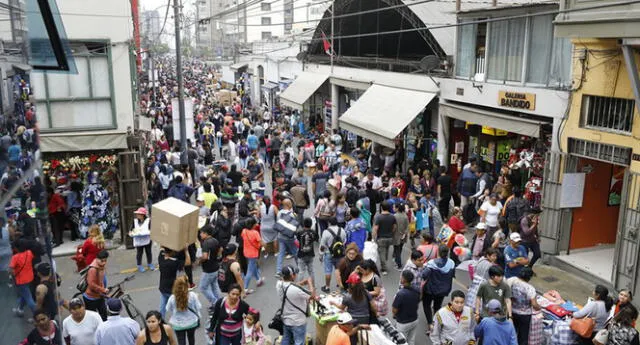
583 327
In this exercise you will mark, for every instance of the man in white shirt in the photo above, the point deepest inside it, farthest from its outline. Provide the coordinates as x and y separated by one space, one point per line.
79 327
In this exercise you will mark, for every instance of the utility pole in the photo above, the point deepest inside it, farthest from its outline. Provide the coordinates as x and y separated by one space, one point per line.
183 120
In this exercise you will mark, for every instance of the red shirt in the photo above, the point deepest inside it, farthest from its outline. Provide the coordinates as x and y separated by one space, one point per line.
22 266
457 225
56 204
90 251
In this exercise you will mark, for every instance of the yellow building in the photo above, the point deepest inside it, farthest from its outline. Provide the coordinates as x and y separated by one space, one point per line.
592 187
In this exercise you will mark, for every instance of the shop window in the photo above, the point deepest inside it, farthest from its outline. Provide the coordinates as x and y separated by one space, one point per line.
614 114
506 49
67 99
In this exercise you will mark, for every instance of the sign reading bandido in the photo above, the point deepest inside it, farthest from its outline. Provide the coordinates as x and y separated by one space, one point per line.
518 100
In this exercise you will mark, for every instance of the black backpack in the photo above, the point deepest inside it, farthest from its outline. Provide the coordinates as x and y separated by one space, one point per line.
337 245
516 209
352 196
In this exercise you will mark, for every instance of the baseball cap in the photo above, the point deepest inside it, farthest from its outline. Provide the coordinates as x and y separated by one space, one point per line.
44 268
481 226
114 305
494 306
354 278
345 319
230 249
288 271
515 237
76 302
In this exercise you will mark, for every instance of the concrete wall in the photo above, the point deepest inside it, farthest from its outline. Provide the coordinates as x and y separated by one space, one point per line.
113 23
605 76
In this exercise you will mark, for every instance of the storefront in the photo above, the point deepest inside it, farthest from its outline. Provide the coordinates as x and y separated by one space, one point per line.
95 177
309 94
498 139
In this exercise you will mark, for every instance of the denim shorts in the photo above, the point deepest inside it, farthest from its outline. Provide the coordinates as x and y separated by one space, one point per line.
330 263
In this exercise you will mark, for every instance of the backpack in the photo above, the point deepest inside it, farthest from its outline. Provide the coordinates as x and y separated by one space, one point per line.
516 209
352 196
83 284
337 245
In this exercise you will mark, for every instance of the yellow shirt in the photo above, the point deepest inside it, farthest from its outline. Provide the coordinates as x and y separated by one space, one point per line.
209 199
337 336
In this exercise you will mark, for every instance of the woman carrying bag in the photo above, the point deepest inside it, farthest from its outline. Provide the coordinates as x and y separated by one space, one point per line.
184 307
589 320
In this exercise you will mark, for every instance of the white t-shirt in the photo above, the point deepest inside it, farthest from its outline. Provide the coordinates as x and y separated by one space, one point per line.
491 213
82 333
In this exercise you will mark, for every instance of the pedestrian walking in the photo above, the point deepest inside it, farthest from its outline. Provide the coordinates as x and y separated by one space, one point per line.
296 306
523 303
331 251
156 332
384 227
210 265
405 308
46 331
307 237
401 233
438 276
80 327
454 323
268 216
227 316
184 309
94 295
493 289
117 330
21 268
495 329
286 226
251 248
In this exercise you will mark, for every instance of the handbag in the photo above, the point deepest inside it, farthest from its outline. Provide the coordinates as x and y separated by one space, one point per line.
557 310
277 323
583 327
197 315
602 337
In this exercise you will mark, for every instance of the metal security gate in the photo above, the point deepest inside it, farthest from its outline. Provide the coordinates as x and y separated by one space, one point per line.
555 223
625 263
133 191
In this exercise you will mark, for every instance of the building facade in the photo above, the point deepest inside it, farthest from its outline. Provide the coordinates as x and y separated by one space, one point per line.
592 227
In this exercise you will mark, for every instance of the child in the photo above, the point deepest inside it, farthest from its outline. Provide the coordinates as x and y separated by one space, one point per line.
307 237
252 329
142 238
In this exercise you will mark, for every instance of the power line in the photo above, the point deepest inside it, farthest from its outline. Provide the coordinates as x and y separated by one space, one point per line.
343 15
166 15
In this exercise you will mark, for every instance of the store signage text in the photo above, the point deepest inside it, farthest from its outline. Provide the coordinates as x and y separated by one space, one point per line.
518 100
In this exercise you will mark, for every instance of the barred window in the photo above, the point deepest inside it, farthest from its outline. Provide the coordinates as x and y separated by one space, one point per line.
615 114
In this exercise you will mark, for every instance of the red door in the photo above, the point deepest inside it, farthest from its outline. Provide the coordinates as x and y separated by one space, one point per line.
595 222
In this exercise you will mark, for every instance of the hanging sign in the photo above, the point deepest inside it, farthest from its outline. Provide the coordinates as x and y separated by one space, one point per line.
517 100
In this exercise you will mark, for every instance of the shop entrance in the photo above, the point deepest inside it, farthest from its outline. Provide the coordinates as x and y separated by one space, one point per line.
596 222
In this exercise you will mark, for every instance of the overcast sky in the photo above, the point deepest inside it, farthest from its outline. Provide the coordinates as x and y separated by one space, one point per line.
160 6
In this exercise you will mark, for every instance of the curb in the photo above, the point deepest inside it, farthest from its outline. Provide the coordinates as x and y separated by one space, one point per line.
73 252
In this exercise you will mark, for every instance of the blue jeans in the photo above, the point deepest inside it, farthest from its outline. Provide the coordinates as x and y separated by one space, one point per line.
25 297
164 298
209 286
286 247
230 341
253 271
294 335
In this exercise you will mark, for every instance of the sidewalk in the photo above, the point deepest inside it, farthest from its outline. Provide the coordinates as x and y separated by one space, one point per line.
571 287
68 248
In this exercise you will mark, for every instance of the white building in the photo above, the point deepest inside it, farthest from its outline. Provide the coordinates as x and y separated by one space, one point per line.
150 24
93 109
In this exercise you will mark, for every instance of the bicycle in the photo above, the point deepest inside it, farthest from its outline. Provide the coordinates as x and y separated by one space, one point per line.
117 291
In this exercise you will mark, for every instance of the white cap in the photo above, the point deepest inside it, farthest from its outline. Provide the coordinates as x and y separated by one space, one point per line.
515 237
344 318
481 226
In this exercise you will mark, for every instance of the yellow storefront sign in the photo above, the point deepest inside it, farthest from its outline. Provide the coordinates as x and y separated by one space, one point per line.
517 100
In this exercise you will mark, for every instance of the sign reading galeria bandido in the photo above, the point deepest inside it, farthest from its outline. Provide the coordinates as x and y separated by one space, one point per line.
517 100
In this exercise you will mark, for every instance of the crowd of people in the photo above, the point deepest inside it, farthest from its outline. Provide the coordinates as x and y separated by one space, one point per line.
273 188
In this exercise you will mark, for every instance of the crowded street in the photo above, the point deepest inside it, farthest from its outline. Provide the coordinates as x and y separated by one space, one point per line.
340 172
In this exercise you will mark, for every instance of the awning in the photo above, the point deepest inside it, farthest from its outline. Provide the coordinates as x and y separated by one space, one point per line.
521 126
301 89
238 66
383 112
270 86
95 142
22 67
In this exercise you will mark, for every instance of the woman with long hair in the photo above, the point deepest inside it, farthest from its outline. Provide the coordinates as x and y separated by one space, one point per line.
93 244
598 309
227 316
156 332
184 308
268 216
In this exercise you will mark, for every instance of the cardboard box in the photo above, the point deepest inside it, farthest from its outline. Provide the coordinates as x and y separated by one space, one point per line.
174 223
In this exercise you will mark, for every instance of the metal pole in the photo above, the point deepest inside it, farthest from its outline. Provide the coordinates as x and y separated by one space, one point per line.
183 121
333 8
153 76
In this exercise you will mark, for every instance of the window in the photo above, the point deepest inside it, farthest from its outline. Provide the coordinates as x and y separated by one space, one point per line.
506 49
266 35
66 100
265 6
466 52
540 45
615 114
48 47
266 20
